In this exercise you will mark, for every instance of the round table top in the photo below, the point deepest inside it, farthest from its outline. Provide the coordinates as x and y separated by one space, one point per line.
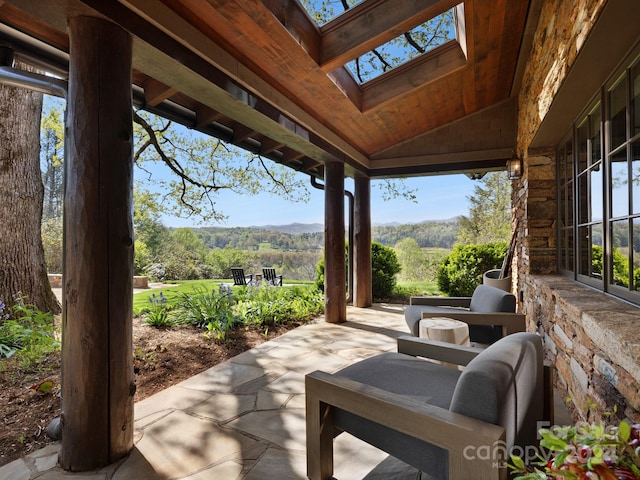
443 323
445 330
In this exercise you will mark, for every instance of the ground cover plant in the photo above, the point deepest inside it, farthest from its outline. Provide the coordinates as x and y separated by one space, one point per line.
162 355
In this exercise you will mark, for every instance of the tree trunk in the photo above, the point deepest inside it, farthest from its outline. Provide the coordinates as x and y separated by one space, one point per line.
22 264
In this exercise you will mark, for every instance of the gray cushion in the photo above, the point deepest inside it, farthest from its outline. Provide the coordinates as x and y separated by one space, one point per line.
405 375
502 386
486 299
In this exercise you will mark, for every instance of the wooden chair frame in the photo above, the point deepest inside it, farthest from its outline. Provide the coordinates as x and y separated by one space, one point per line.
455 433
438 426
269 275
239 277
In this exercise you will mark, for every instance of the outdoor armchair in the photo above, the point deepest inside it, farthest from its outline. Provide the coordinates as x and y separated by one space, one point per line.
239 278
447 423
490 313
269 275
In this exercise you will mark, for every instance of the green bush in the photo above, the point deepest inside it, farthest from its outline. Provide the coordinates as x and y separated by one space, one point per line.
461 271
384 267
206 309
27 333
269 305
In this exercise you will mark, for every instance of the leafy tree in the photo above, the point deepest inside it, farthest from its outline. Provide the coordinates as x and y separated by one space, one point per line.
489 217
150 234
461 271
22 262
52 243
190 168
412 260
52 156
221 260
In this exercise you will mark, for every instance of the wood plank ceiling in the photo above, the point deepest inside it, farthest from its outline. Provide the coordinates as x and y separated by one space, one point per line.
263 75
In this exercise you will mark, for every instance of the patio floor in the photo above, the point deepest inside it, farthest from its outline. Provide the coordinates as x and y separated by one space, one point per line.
244 418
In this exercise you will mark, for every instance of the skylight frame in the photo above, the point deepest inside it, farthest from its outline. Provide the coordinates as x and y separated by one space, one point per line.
446 21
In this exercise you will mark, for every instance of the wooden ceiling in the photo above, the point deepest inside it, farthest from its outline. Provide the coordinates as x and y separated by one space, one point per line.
263 75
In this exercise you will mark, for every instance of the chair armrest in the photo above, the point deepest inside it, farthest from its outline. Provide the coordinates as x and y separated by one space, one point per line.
434 350
510 322
461 436
462 302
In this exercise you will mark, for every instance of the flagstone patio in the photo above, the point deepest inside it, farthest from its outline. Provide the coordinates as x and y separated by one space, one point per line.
245 418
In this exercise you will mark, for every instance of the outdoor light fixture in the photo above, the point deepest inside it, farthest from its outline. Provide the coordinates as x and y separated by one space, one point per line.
514 168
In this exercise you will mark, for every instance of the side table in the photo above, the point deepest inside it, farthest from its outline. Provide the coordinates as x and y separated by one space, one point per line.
444 329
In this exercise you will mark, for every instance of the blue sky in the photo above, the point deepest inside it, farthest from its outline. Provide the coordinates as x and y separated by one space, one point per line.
438 198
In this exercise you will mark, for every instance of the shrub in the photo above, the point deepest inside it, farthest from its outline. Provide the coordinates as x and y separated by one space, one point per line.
204 309
384 267
268 305
158 316
461 271
26 332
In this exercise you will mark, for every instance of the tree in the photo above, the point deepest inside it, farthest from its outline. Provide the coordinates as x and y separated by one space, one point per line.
189 168
412 259
22 263
489 217
52 156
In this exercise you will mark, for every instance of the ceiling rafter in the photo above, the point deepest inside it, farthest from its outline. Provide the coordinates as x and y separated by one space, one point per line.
206 115
156 92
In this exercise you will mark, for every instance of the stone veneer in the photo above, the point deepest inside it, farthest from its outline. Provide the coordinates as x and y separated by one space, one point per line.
591 338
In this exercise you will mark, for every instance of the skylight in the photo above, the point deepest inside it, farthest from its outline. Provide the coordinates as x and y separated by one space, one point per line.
421 39
322 11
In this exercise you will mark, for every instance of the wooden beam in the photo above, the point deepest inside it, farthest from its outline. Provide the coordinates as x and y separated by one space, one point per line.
268 145
370 24
97 341
414 74
335 282
156 92
296 20
290 156
241 132
206 116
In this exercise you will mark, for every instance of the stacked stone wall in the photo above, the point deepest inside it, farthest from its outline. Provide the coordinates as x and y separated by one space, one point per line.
593 341
562 29
591 338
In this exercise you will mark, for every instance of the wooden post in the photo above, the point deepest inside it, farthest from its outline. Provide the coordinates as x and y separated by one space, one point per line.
97 354
363 293
335 277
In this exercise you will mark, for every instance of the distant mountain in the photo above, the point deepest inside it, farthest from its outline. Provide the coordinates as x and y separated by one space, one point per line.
293 228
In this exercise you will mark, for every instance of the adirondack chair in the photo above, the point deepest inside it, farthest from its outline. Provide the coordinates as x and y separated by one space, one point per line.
269 276
239 278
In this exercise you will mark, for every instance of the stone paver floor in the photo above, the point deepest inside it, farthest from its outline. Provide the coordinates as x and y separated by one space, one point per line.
244 418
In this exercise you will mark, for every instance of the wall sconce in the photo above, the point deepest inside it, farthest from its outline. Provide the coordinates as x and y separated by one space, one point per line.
514 168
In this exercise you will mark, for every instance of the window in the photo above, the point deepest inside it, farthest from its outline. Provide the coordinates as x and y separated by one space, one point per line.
599 191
